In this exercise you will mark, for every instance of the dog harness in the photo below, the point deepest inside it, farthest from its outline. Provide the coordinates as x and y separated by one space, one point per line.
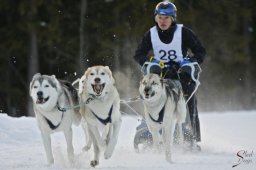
52 126
107 120
160 118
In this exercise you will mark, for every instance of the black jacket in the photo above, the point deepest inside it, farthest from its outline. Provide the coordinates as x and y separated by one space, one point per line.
189 41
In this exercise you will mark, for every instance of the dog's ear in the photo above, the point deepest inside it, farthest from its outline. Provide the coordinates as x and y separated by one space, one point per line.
81 85
110 74
108 70
33 80
36 76
54 79
56 82
53 76
86 73
141 82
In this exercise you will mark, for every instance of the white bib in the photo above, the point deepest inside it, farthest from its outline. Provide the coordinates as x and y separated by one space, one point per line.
167 52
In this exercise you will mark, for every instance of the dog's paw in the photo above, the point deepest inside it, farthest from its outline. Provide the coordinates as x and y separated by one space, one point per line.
170 161
50 162
71 159
168 157
107 154
86 148
71 156
94 163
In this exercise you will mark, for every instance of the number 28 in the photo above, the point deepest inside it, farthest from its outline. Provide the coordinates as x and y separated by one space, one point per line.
167 55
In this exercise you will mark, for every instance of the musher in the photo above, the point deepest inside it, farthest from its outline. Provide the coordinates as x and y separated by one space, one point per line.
178 52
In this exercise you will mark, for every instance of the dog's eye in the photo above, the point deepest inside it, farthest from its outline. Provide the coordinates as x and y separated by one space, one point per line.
92 74
144 83
102 73
154 83
46 85
35 87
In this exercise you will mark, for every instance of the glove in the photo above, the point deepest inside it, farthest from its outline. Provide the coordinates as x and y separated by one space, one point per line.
186 60
153 66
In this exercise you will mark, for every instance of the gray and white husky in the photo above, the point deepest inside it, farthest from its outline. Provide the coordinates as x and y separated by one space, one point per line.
53 103
164 107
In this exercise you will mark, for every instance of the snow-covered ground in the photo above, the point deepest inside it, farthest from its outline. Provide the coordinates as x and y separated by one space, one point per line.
224 135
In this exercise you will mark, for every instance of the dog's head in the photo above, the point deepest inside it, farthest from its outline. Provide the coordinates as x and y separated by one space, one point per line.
81 85
151 87
98 80
44 91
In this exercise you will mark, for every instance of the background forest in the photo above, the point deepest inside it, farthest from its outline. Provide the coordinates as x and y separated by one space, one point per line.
64 37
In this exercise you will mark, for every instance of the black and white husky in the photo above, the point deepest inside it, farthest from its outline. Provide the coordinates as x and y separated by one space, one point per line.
164 107
53 103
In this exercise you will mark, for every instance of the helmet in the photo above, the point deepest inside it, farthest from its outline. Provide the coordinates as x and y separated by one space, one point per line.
166 8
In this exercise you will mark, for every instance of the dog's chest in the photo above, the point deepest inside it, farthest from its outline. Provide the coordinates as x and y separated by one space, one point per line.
157 113
101 108
53 119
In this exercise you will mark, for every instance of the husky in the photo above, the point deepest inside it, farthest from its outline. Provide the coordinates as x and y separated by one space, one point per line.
164 107
101 111
82 110
53 103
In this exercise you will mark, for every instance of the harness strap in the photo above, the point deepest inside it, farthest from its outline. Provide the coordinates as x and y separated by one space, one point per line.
62 109
51 125
160 118
107 120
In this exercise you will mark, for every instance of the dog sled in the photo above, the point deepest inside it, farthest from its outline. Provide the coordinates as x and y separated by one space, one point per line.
143 138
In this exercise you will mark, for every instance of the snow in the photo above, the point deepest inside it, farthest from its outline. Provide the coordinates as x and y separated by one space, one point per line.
223 135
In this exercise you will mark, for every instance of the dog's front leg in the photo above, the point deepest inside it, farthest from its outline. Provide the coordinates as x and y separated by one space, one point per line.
48 147
167 141
96 148
87 136
181 135
101 142
112 138
156 140
69 136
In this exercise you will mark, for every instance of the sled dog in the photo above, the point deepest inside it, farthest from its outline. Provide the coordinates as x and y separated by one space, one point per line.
82 110
102 111
164 106
53 103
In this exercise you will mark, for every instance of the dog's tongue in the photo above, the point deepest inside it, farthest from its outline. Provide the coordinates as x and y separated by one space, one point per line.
40 100
97 88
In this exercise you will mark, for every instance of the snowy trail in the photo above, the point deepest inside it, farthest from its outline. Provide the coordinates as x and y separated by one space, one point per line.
223 135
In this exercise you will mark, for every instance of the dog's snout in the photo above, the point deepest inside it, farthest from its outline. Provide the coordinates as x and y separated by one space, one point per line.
40 94
147 89
97 80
